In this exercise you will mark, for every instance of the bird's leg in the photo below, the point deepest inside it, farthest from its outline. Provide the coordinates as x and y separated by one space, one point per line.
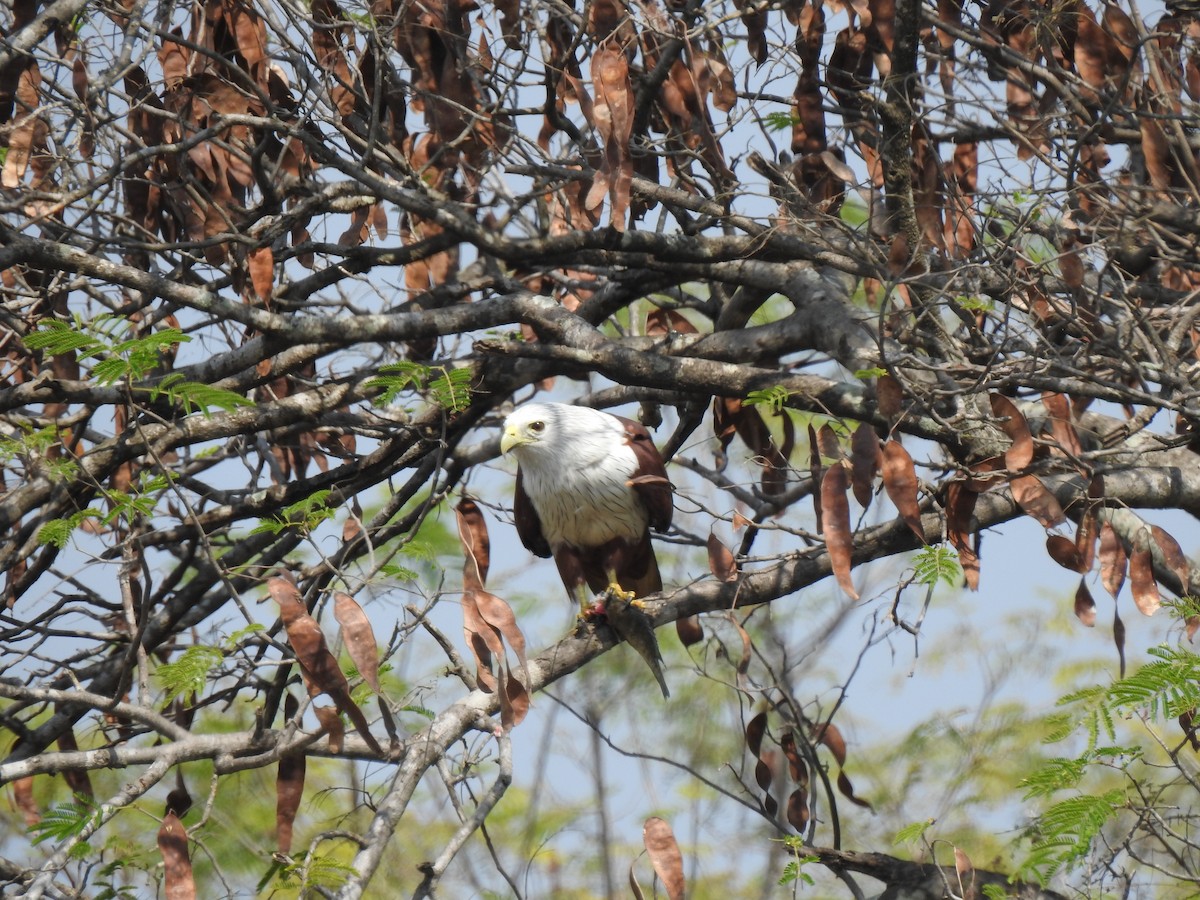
589 608
616 591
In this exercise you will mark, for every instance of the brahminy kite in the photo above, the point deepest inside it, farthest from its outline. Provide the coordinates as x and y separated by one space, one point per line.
590 486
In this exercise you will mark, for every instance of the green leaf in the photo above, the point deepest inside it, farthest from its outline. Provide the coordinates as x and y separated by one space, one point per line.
57 338
1166 687
129 358
1055 775
395 378
875 372
57 532
65 820
195 396
400 573
242 633
422 551
975 304
778 121
452 391
794 871
913 832
61 469
189 673
304 514
31 442
776 398
316 871
936 563
111 370
1066 830
139 501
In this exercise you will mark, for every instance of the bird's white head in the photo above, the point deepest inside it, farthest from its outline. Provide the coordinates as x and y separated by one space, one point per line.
530 428
544 430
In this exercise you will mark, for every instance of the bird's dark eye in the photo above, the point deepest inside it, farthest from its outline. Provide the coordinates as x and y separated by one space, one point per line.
537 427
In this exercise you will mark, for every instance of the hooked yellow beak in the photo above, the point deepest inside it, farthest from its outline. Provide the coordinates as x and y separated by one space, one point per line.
511 438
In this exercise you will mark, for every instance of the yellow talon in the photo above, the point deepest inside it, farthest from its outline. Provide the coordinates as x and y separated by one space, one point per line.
614 590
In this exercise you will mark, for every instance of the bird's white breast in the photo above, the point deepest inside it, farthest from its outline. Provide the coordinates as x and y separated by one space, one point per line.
587 501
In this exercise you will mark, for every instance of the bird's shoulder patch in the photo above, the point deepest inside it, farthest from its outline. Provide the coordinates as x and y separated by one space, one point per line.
649 478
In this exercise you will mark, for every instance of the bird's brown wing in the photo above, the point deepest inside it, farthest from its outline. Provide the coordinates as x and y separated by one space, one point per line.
649 480
577 568
634 563
529 526
637 568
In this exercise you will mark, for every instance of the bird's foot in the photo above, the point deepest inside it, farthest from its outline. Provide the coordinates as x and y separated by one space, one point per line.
597 609
615 592
591 612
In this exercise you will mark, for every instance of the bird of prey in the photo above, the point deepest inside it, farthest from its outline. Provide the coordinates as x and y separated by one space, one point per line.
590 486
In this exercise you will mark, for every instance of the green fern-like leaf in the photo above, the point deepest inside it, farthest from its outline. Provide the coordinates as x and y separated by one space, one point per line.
102 337
65 820
452 390
315 871
138 502
912 832
420 550
270 526
994 892
778 121
395 378
1044 860
312 505
1165 687
196 396
143 353
790 873
110 328
57 338
61 469
33 442
975 304
1067 829
400 573
794 871
1062 726
1093 714
937 563
323 871
57 532
111 370
189 673
304 514
242 633
874 372
774 398
1055 775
